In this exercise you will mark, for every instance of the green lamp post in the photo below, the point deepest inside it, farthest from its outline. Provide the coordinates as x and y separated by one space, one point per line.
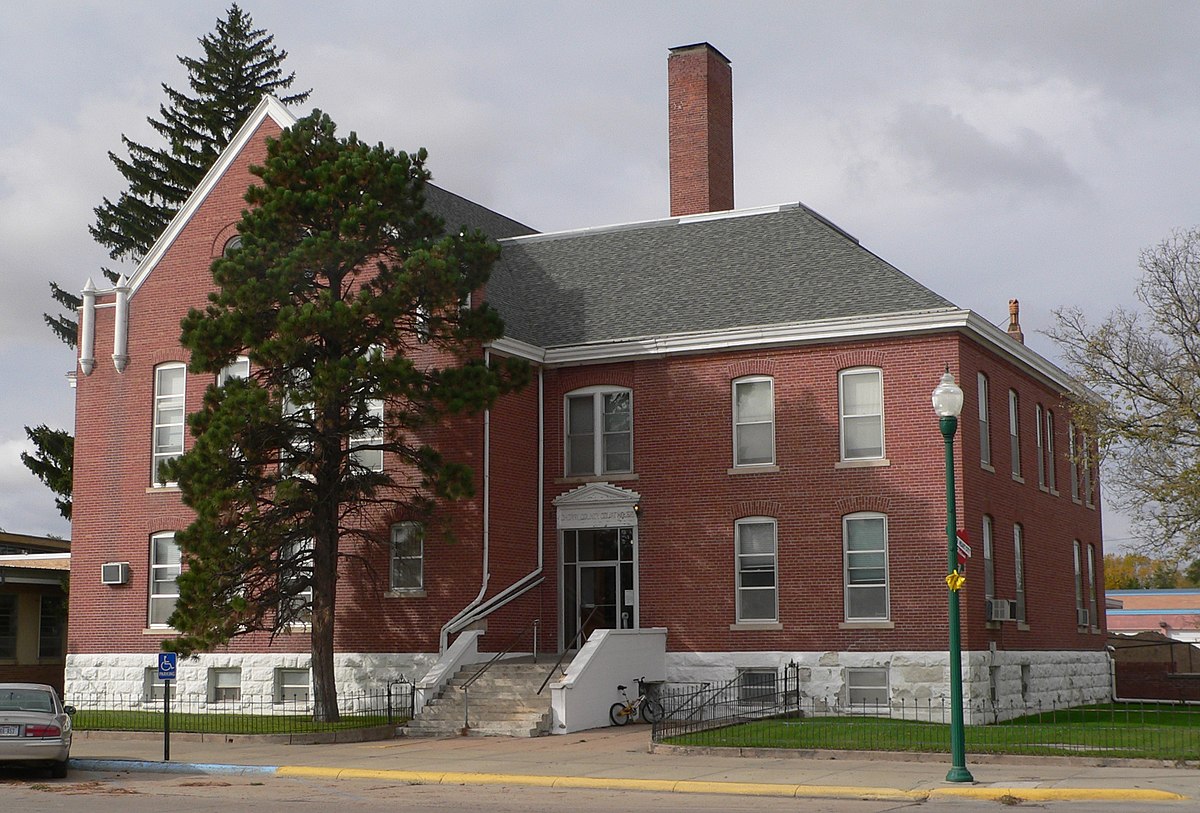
947 403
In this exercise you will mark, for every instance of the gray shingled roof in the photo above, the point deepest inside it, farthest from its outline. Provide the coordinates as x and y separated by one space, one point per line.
457 211
669 277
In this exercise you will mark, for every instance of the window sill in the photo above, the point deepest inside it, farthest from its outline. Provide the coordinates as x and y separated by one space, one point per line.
755 626
1043 489
594 478
160 631
405 592
1054 492
1077 501
1022 626
862 464
1018 479
763 469
867 625
1090 505
987 467
168 488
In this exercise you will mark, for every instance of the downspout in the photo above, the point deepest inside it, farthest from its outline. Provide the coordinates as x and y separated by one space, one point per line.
487 482
475 611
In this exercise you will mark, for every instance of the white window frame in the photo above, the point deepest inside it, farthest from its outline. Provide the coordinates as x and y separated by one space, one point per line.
1074 461
1077 550
370 459
989 556
843 416
985 424
1093 609
292 549
867 679
598 395
739 423
1051 463
153 688
849 587
170 413
1039 413
239 368
744 564
162 571
398 560
1019 570
218 693
286 679
1014 432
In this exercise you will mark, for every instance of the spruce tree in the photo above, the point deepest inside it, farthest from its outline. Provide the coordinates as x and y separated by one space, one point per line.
353 306
238 65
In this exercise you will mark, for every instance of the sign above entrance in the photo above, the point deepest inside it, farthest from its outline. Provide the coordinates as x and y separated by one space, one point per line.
597 505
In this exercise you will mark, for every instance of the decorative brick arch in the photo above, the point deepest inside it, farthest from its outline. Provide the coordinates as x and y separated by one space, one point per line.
859 358
745 367
864 502
755 508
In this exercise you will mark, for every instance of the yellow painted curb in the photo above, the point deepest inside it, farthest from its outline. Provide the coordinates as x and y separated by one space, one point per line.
735 788
1063 794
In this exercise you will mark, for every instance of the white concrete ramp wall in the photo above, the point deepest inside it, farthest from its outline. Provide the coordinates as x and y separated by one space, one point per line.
580 699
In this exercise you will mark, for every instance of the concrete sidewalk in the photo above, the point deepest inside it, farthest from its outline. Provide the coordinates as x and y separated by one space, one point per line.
611 758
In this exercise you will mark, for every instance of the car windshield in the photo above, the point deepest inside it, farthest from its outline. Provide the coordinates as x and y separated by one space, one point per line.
25 700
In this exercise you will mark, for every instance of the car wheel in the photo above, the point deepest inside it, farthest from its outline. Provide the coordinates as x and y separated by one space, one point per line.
59 770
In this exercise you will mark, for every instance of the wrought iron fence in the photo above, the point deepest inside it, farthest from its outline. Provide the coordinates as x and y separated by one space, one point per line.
757 714
248 714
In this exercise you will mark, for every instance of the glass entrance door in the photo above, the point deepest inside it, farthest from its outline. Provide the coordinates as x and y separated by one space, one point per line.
598 582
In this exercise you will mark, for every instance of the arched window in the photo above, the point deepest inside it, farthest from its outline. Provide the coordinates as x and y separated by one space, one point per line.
860 398
754 421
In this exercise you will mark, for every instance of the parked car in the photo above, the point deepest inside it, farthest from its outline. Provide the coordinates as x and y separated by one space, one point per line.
35 727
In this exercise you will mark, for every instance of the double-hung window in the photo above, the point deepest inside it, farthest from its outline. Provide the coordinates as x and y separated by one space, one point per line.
989 558
1014 432
1078 556
864 540
599 431
1093 618
754 421
238 368
164 570
1019 569
169 380
1038 424
985 427
295 581
361 451
1051 463
860 396
757 593
408 556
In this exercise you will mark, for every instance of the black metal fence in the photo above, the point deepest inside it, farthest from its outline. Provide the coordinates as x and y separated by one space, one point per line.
248 714
753 713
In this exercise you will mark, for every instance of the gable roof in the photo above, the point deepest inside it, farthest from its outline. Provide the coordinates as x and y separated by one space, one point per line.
457 211
760 267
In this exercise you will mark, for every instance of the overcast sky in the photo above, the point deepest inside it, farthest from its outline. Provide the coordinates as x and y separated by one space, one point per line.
991 151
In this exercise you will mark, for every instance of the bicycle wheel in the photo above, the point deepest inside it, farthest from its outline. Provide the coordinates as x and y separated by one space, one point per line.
652 711
619 714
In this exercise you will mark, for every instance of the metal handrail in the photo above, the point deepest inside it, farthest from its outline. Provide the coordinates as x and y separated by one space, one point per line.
520 636
567 649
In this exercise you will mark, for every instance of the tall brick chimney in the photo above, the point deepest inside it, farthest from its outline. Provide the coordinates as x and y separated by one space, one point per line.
700 129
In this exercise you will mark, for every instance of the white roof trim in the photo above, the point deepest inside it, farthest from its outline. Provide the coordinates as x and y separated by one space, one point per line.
269 107
820 331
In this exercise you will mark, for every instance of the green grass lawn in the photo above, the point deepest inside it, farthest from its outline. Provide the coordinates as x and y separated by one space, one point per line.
216 723
1111 730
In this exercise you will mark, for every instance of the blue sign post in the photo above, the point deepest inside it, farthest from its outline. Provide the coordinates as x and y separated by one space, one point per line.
167 662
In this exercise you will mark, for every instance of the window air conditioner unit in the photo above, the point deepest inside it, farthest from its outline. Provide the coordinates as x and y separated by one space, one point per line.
1001 609
1082 618
114 573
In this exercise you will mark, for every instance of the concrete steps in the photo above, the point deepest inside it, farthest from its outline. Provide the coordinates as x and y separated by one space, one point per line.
503 702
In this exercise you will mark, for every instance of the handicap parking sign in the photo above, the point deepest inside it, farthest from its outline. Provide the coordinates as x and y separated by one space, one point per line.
166 665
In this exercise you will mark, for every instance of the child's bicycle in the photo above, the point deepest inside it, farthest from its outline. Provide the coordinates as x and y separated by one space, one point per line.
650 710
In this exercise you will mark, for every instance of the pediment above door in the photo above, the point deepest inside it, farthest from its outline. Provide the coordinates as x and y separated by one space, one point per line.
597 505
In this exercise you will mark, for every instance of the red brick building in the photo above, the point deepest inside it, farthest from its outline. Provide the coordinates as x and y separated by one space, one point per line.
728 437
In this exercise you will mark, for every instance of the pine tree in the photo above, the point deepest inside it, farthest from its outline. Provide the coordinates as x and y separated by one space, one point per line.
352 304
239 64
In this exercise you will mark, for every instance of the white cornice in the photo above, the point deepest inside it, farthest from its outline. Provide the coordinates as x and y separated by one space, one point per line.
269 107
801 333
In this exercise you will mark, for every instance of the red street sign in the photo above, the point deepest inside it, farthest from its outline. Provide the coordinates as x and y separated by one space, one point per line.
964 548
